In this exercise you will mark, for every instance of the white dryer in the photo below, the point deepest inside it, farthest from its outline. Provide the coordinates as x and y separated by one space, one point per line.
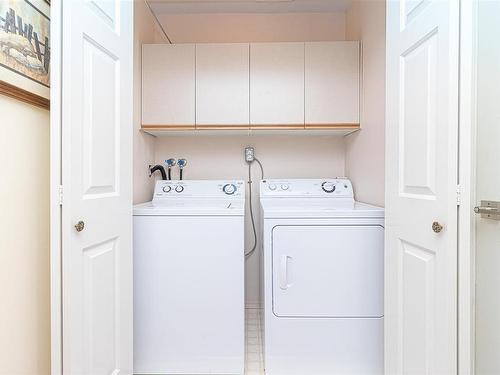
189 279
323 257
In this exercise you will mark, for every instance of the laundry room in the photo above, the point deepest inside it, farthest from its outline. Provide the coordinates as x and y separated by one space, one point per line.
289 153
194 65
249 187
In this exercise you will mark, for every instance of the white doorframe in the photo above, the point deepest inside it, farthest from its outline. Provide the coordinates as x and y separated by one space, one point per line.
55 193
466 219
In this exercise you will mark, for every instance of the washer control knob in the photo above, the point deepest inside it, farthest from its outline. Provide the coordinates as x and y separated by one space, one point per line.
179 188
167 188
229 189
285 187
272 187
328 187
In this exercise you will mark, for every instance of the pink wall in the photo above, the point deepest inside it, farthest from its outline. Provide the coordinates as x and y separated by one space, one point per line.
224 28
365 150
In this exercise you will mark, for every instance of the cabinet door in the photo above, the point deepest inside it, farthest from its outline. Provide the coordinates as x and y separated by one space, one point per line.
277 84
168 84
331 83
222 85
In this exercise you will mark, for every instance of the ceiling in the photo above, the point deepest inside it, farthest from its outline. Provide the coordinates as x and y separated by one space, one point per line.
247 6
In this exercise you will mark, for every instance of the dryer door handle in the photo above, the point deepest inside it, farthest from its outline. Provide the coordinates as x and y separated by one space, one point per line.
284 272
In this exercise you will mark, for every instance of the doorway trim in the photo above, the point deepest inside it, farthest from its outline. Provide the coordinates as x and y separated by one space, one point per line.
467 188
56 193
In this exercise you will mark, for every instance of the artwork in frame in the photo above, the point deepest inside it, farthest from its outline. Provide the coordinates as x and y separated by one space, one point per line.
25 50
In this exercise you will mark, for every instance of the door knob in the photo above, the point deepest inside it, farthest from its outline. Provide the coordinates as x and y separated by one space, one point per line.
79 226
436 227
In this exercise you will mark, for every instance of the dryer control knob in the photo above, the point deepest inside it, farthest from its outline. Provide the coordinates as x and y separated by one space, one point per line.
166 189
272 187
229 189
285 187
179 188
328 187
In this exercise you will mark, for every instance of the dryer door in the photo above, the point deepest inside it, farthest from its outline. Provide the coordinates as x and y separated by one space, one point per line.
328 271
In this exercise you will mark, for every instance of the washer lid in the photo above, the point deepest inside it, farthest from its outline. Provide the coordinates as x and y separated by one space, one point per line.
322 208
192 207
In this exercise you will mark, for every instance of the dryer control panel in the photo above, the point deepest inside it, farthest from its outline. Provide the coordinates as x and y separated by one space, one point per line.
303 188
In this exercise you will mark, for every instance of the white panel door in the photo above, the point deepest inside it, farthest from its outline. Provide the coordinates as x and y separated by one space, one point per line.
328 271
332 83
277 84
96 174
422 127
168 84
222 84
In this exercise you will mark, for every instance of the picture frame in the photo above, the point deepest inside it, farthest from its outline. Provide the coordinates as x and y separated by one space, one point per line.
25 50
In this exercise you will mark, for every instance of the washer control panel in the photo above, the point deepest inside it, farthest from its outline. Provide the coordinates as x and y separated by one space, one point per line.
325 188
199 189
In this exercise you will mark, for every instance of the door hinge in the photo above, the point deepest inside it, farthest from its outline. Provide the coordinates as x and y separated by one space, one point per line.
459 195
60 195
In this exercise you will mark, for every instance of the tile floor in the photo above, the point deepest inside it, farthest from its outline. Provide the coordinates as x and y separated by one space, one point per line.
254 362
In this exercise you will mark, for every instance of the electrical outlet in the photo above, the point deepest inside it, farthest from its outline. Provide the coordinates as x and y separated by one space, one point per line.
249 154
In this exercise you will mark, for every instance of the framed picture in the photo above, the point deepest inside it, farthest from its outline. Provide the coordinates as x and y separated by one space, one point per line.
25 50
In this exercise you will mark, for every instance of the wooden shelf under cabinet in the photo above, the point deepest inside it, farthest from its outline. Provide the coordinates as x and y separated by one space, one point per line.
285 129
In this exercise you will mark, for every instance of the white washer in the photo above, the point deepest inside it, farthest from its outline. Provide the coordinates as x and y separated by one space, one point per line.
189 279
323 287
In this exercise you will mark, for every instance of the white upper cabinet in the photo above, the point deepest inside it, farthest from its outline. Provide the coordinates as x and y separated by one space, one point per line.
222 85
168 84
277 84
332 83
313 85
